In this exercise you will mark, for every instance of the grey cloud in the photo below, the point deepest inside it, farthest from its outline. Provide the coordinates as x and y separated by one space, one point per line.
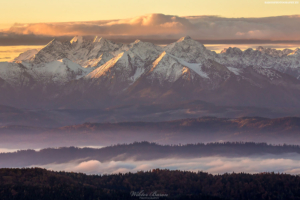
11 39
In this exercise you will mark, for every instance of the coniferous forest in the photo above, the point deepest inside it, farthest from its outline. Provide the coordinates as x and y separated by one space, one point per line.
37 183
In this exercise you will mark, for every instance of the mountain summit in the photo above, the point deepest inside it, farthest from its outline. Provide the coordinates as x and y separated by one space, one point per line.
88 73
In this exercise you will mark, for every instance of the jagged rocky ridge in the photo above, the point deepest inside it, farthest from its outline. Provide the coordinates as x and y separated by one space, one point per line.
98 73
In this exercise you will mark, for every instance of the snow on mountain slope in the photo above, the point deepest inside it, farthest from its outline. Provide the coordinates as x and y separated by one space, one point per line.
94 53
102 72
101 55
84 52
166 69
270 73
26 56
128 66
59 72
108 59
54 50
13 73
274 52
189 50
115 75
101 51
183 57
137 74
146 51
103 45
285 61
120 62
96 62
236 71
77 41
295 53
196 67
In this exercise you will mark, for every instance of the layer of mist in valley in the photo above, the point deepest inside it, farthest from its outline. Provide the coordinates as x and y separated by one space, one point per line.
213 158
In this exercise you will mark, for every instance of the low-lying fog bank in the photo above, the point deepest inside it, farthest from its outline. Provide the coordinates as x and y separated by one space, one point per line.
213 165
212 157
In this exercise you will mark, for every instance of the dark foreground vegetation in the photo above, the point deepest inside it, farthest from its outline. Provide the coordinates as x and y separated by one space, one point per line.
36 183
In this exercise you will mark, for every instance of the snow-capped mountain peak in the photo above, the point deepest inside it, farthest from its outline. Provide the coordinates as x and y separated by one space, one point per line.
59 71
232 51
104 45
273 52
53 42
184 38
295 52
100 70
146 51
76 39
54 50
168 68
121 58
189 50
97 39
26 56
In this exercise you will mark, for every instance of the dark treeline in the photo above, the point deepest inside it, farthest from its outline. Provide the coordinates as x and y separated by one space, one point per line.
143 151
36 183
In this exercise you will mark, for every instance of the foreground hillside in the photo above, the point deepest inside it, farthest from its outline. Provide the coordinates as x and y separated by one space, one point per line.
38 183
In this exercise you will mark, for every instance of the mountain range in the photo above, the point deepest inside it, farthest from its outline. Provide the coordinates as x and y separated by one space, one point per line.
98 73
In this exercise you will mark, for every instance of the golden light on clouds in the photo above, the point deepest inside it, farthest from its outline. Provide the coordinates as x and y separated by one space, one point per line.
34 22
36 11
171 26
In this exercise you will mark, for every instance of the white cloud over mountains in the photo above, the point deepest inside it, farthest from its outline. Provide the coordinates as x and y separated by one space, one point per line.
171 27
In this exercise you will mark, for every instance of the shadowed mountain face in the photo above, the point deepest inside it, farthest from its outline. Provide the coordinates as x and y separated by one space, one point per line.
206 129
97 74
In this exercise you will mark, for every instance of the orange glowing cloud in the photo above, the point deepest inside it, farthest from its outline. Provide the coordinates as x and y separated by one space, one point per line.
149 24
170 26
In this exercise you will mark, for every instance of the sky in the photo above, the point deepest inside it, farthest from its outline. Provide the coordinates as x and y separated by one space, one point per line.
36 22
36 11
157 26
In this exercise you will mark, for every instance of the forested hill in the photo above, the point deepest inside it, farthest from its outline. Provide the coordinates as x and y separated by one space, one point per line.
36 183
143 151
